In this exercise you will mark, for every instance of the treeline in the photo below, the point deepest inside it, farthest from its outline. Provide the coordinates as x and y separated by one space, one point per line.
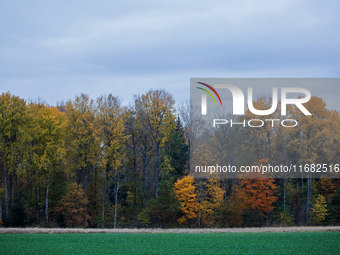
97 163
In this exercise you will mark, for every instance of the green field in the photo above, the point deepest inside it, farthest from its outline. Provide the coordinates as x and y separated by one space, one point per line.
172 243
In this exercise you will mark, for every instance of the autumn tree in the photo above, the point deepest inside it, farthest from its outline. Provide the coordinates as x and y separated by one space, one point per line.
234 208
211 203
47 148
111 126
134 166
223 144
312 130
13 120
185 191
327 187
96 163
319 210
155 113
84 150
71 208
258 195
260 140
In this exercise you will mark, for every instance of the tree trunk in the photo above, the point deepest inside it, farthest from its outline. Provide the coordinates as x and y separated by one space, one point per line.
46 210
0 211
135 185
145 173
223 180
224 188
116 200
157 170
230 181
230 187
199 205
284 194
39 206
199 214
85 195
309 191
268 146
6 193
12 199
36 201
103 211
108 199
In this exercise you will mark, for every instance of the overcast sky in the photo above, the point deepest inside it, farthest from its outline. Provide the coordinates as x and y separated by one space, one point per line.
57 49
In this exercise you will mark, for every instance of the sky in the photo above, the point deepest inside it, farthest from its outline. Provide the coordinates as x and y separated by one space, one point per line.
55 50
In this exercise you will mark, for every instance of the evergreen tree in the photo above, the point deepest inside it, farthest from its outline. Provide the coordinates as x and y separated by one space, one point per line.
177 150
163 209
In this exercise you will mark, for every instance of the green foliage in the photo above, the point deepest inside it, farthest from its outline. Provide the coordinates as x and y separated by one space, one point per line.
18 217
163 209
144 219
176 149
336 205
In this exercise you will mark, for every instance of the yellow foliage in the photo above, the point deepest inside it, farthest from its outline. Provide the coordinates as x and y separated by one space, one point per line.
144 219
212 202
319 210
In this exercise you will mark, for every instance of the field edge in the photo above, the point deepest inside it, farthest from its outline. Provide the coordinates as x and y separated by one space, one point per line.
159 230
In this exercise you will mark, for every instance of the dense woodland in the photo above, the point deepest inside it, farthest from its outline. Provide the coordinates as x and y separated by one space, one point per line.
96 163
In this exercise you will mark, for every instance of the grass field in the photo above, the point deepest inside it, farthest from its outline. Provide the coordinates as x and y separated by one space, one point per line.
172 243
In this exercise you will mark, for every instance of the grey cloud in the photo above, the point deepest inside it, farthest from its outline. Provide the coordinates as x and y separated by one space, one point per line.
59 49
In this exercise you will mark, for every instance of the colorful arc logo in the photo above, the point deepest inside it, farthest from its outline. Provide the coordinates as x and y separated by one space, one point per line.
213 90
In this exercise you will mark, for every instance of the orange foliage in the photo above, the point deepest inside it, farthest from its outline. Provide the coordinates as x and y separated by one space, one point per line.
185 191
72 206
327 187
259 194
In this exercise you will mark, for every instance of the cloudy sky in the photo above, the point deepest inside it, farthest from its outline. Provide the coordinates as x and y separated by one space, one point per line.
57 49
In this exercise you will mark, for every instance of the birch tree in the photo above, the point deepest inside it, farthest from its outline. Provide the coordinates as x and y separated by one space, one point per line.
111 125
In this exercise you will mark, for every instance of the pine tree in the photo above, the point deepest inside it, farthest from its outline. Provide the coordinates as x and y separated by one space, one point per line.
163 209
176 149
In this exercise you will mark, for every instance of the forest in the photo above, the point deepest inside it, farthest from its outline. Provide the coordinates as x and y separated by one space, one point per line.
101 164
